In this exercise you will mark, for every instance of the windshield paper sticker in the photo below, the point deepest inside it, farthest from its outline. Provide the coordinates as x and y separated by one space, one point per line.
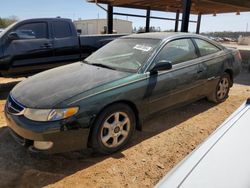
142 48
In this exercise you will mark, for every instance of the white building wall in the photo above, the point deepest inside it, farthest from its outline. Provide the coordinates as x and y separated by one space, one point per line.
244 40
97 26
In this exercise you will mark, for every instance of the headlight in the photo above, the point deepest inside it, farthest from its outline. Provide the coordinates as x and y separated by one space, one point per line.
49 114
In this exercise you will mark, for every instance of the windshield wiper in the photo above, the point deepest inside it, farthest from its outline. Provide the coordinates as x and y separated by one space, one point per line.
99 65
102 65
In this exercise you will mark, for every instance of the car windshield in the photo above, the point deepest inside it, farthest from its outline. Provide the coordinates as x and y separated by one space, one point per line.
127 54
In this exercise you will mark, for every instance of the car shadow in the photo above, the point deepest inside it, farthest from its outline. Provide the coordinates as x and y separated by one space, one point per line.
243 78
17 165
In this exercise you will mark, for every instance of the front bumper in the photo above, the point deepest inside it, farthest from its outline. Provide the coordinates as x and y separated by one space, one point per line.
64 140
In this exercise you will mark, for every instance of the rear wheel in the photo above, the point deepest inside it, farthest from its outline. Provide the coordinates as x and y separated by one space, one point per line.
221 91
113 128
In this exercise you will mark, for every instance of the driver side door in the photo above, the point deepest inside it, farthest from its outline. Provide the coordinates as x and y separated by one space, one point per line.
33 49
179 84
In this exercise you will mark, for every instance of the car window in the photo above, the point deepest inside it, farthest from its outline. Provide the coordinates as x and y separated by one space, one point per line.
177 51
206 48
62 29
32 31
125 54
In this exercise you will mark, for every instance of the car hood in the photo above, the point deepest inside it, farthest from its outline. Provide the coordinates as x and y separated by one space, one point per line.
51 87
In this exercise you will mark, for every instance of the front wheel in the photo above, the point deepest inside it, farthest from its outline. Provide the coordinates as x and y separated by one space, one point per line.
221 91
113 128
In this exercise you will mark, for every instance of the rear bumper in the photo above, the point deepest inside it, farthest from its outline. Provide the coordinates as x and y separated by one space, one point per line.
26 132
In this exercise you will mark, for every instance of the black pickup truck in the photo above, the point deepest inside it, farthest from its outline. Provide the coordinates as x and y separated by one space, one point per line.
31 46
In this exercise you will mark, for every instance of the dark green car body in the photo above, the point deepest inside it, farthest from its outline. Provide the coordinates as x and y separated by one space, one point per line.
93 88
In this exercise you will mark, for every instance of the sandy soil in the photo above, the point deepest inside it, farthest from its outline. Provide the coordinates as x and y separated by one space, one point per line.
165 140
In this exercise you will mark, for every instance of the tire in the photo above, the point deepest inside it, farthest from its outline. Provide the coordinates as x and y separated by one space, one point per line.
220 93
113 128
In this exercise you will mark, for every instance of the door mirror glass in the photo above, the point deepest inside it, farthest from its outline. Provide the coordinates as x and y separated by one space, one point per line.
162 65
13 36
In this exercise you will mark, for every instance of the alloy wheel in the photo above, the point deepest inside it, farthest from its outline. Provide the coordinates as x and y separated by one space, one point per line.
115 129
223 88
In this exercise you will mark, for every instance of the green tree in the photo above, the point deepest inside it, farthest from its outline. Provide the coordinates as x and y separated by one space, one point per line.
151 29
5 22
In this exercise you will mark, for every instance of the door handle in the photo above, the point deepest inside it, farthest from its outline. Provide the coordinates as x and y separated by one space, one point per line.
46 45
202 68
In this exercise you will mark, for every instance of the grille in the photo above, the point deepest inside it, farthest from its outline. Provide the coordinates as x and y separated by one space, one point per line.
14 107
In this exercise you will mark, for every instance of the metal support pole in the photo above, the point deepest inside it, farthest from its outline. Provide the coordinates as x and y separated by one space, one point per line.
147 20
177 21
185 15
110 19
198 24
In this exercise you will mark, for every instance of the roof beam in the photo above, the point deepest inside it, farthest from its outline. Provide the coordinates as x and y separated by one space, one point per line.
123 2
198 6
152 17
227 3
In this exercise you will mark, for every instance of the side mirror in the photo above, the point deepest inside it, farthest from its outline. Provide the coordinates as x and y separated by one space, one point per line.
13 36
162 65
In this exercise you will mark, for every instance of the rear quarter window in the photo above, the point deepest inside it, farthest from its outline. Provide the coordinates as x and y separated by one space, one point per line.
205 47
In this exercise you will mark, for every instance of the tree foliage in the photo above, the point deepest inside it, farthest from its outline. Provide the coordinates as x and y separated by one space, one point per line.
142 29
5 22
229 34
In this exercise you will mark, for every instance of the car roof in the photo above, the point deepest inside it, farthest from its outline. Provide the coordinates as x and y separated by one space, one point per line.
171 36
221 161
161 35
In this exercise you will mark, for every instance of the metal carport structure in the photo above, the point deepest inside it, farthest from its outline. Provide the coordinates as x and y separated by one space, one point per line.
186 7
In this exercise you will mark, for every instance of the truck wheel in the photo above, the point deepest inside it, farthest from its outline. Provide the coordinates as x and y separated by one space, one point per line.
113 128
221 90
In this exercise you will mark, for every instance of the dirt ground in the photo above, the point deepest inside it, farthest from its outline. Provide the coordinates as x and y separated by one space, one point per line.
165 140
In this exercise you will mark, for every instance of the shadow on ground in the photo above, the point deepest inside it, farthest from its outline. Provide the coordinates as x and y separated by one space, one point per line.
19 168
243 78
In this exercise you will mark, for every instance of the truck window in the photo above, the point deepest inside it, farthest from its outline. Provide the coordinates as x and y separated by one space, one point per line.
32 31
62 29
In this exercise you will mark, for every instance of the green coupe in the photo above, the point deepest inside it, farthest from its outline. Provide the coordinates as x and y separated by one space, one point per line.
99 102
